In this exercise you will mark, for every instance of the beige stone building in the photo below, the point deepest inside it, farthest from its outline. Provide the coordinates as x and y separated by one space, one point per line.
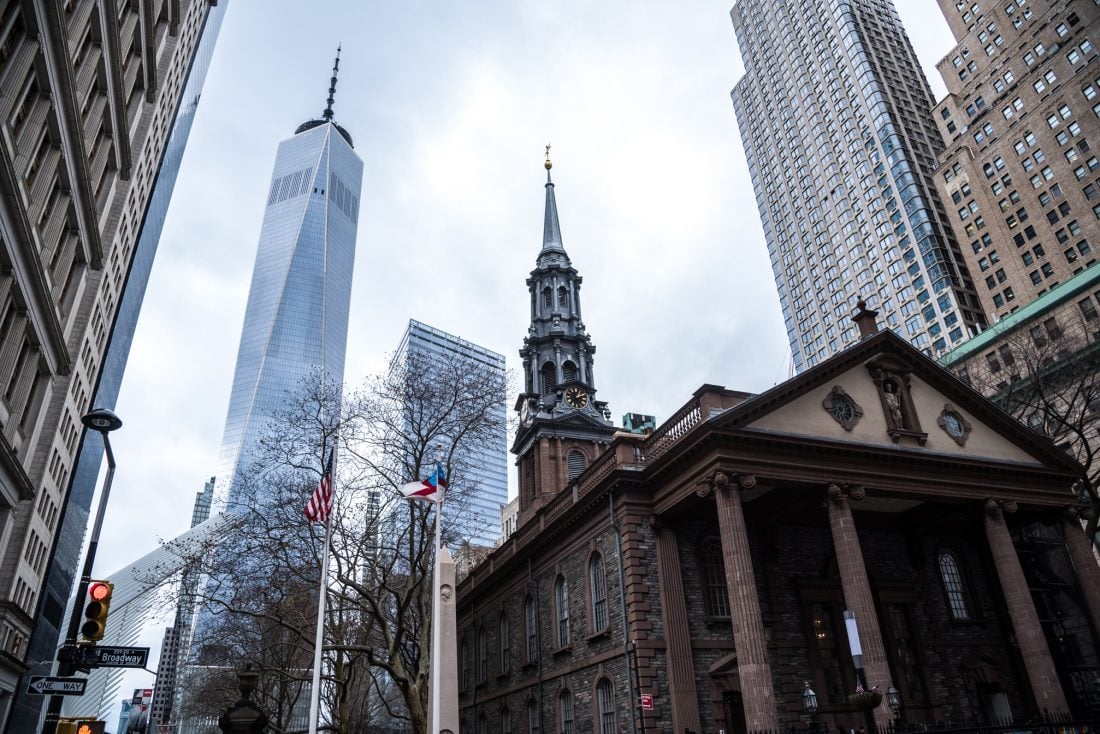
89 92
1020 175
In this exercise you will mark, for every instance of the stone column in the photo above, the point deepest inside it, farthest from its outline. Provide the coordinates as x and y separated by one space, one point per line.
753 667
857 592
448 650
683 696
1034 651
1084 563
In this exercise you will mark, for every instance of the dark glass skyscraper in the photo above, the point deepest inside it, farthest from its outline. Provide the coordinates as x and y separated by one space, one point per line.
296 320
835 115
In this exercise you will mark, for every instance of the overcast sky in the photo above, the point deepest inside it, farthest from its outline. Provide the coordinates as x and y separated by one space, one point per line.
450 106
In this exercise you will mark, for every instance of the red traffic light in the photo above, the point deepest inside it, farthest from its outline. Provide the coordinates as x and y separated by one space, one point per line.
99 591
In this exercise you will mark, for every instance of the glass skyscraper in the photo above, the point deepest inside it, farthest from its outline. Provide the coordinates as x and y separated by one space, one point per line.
296 320
487 462
834 111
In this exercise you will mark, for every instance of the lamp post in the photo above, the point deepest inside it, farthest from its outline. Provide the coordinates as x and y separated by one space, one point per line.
244 717
893 698
809 705
104 421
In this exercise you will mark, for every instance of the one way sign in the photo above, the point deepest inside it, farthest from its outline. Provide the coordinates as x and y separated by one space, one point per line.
42 685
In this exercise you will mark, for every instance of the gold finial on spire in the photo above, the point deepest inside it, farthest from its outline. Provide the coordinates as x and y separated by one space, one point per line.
548 164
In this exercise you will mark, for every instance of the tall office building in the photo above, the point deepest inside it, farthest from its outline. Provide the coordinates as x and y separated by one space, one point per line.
95 109
486 463
1021 167
835 115
296 320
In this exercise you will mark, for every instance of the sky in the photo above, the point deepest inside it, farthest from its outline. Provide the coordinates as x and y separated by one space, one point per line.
451 106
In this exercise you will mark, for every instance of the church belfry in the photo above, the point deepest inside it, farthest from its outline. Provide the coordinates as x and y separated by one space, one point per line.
562 427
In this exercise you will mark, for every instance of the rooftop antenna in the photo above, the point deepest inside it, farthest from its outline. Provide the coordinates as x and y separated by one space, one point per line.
327 114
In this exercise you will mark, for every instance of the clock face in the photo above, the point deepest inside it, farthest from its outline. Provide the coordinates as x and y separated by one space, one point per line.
952 425
842 409
576 397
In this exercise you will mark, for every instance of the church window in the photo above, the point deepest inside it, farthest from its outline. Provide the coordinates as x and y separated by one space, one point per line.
575 464
465 655
547 298
953 586
505 645
568 371
597 583
531 628
482 655
532 716
482 723
561 610
716 601
563 298
549 378
505 721
565 712
605 706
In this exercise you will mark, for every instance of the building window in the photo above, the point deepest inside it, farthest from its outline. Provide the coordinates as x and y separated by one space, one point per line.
530 620
532 716
465 655
575 464
605 706
547 298
561 610
597 584
565 712
505 721
549 378
716 600
563 298
482 655
482 723
953 586
505 645
568 371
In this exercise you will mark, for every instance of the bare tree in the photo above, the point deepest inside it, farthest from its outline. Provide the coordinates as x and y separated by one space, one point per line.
258 602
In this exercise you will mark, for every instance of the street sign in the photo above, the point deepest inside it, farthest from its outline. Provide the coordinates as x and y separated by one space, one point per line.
105 656
42 685
647 701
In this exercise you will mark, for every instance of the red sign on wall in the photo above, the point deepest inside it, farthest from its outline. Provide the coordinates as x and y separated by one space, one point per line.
647 702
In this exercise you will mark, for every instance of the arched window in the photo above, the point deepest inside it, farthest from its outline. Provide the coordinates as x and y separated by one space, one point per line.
716 598
532 716
575 464
547 297
465 655
953 586
563 297
482 723
482 655
568 371
505 720
565 712
605 707
597 586
530 623
549 378
561 610
505 645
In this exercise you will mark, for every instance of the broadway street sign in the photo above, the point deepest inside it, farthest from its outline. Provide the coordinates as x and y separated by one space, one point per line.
103 656
41 685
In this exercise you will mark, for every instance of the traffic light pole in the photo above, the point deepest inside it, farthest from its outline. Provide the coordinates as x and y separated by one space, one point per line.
102 421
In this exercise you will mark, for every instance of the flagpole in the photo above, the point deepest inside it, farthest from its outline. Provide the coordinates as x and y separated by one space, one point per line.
315 691
437 619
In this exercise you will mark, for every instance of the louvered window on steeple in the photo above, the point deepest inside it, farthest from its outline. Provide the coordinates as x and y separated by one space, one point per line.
547 298
563 298
576 463
549 378
568 372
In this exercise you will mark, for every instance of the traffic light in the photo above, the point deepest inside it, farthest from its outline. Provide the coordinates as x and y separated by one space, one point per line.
69 725
95 613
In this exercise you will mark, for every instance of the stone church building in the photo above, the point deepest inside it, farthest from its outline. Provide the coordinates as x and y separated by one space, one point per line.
697 579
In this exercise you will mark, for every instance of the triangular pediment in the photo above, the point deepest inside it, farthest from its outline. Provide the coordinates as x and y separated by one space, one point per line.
941 415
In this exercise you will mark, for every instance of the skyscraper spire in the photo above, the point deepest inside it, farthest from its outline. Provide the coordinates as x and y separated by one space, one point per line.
551 230
327 114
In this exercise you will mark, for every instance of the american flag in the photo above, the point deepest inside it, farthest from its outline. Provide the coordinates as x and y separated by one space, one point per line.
319 506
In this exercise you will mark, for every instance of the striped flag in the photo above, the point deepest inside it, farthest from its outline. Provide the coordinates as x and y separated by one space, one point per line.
430 489
319 506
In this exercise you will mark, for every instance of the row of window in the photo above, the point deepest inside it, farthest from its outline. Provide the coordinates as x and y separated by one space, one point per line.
603 714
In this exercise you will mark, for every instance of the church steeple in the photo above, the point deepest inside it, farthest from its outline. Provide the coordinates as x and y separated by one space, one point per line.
562 425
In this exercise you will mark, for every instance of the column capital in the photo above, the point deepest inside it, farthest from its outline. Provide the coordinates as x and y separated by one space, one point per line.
838 492
994 507
721 480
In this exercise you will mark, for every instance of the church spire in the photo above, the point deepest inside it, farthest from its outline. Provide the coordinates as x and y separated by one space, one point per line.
327 114
551 230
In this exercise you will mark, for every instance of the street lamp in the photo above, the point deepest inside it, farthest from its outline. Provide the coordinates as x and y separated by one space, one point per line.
809 705
893 698
104 421
244 717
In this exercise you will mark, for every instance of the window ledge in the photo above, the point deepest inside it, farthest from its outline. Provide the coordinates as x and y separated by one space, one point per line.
563 650
605 632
